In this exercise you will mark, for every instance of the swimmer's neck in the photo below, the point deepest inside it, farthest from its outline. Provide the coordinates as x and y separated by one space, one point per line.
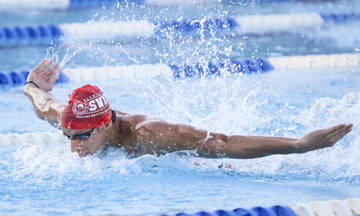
113 133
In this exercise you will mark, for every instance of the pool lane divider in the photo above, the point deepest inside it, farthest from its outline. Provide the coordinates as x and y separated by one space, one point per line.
276 210
75 4
181 71
41 35
32 138
348 207
12 78
257 24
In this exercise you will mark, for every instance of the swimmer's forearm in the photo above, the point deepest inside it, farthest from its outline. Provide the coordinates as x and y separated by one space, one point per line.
255 146
259 146
45 105
247 146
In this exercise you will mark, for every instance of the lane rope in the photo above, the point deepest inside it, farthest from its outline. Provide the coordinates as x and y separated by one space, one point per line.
348 207
259 24
75 4
32 138
181 71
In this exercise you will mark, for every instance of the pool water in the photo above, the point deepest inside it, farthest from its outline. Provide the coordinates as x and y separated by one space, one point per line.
39 179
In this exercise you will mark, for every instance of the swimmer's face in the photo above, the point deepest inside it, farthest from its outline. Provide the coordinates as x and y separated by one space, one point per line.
86 141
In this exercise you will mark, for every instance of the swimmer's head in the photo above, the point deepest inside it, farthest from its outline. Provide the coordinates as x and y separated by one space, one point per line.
87 108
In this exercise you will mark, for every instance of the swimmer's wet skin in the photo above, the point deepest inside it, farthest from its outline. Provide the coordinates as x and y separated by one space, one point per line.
91 125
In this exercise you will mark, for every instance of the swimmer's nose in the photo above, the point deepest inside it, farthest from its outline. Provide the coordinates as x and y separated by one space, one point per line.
75 144
76 147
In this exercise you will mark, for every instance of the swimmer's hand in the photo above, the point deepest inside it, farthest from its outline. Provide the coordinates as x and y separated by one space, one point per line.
43 76
322 138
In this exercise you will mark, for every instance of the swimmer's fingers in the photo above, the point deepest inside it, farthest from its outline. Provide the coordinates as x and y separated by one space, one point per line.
38 71
338 129
340 133
56 70
42 66
52 69
335 128
323 138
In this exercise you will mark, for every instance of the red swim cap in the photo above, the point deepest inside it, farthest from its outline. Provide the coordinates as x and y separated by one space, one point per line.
87 108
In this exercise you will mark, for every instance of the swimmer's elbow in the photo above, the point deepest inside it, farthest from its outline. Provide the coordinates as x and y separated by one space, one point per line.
45 105
50 112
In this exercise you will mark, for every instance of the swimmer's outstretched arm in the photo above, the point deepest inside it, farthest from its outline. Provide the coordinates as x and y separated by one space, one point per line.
42 80
259 146
175 137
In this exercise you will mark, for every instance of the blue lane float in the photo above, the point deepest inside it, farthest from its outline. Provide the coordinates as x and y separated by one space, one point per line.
255 211
348 207
192 71
195 27
12 78
259 24
29 35
257 65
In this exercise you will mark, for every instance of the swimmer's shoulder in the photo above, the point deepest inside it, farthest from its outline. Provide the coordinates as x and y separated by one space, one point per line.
133 120
118 113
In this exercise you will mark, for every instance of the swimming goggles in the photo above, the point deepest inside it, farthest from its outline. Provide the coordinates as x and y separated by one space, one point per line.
81 136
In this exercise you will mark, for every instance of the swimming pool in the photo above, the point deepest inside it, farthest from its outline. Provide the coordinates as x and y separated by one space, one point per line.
38 179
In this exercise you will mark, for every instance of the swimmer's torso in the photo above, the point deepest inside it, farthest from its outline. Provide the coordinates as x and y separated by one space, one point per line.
139 135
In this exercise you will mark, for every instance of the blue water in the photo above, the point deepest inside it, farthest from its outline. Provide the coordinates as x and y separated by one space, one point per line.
42 179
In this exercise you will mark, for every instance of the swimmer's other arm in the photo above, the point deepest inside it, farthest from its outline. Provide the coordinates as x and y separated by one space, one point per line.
175 137
45 105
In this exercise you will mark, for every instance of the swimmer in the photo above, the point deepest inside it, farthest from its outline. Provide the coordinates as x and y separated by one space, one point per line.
91 125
